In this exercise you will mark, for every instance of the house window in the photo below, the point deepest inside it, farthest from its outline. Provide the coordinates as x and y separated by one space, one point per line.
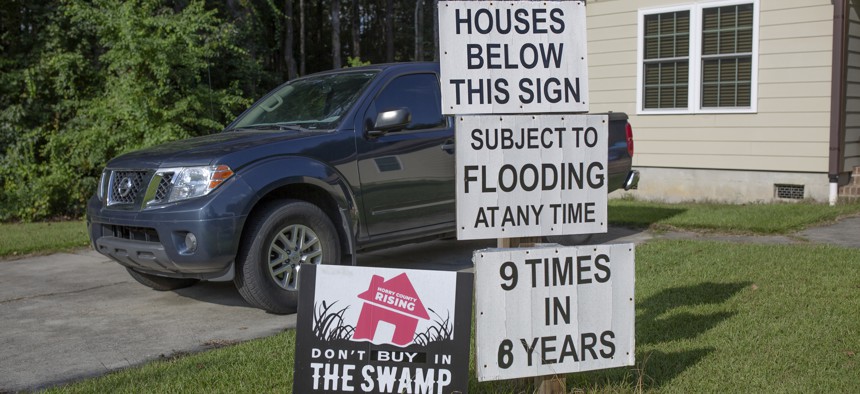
666 60
698 58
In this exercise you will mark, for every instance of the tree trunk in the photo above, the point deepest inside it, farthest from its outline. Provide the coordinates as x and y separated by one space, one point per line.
389 31
289 32
419 30
302 38
436 30
335 34
356 30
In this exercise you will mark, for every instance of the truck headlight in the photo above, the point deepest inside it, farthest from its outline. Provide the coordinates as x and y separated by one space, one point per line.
190 182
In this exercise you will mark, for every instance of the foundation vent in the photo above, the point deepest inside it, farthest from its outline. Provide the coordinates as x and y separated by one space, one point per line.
789 192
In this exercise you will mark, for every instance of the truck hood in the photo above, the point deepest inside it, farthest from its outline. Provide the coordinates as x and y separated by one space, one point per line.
207 150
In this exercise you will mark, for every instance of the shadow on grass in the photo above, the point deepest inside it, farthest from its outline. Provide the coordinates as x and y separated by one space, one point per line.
640 216
656 370
654 327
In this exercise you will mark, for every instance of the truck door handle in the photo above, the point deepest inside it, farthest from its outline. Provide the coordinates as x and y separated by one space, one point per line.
448 146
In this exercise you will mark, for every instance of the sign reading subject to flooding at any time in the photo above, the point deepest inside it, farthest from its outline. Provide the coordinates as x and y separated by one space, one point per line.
379 330
513 57
568 309
531 175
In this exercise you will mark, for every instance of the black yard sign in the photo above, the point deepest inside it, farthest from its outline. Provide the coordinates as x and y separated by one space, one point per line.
381 330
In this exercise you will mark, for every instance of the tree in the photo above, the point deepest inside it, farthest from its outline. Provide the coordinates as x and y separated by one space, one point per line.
289 32
113 76
335 34
419 30
389 30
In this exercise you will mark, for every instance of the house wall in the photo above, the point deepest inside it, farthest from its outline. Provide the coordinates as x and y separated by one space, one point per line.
786 141
852 113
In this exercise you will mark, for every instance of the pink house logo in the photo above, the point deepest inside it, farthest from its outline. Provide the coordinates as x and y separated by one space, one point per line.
392 301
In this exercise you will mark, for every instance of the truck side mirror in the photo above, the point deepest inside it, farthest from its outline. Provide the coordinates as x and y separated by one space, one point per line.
391 120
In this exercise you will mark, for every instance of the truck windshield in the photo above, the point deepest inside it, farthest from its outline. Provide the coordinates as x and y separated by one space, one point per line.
316 102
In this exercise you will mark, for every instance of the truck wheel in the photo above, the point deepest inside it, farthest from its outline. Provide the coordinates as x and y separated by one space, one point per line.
160 283
275 242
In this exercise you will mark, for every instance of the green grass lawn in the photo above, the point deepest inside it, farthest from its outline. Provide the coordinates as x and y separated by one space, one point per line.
18 239
709 318
744 219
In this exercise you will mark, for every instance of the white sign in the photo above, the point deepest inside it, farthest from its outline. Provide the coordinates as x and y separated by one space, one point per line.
513 57
531 175
554 310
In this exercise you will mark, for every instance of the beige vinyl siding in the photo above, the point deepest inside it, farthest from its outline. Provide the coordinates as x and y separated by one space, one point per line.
789 131
852 104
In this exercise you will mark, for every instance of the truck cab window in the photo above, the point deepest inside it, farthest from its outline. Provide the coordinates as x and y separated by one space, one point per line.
417 92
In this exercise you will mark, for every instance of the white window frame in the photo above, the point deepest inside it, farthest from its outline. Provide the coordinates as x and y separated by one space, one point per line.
694 90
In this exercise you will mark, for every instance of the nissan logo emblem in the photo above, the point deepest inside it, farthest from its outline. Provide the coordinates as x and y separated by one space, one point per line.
125 186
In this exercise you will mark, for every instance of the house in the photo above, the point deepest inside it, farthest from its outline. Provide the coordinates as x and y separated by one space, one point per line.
392 301
733 100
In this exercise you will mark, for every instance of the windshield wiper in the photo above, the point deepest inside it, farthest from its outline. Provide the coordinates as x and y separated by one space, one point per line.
270 126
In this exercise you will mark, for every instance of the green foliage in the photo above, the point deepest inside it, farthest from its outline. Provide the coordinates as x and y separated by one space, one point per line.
356 62
111 77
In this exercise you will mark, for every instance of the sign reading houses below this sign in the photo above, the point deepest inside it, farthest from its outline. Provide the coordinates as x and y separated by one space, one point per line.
531 175
380 330
554 310
513 57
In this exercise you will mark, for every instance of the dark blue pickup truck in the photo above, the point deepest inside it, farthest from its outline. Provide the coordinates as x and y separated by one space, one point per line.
319 169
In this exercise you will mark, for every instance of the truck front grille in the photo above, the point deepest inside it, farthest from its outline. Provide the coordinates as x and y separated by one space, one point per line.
163 191
130 233
126 186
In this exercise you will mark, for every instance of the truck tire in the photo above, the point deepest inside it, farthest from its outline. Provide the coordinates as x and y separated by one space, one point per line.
160 283
279 237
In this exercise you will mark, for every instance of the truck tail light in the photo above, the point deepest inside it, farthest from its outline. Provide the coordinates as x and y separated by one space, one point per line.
629 131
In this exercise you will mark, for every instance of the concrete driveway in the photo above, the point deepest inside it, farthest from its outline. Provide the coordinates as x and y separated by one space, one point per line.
74 315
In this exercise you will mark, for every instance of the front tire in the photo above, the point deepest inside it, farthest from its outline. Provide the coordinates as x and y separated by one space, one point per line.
160 283
280 237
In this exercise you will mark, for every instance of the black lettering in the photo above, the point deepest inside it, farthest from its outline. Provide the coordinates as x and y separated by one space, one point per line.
499 20
545 350
460 20
506 357
522 26
484 187
491 54
595 175
556 15
468 178
473 54
580 269
477 141
534 263
607 343
562 273
546 170
534 172
502 95
530 63
486 12
513 171
508 272
525 87
529 349
457 83
599 264
587 344
568 349
538 20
